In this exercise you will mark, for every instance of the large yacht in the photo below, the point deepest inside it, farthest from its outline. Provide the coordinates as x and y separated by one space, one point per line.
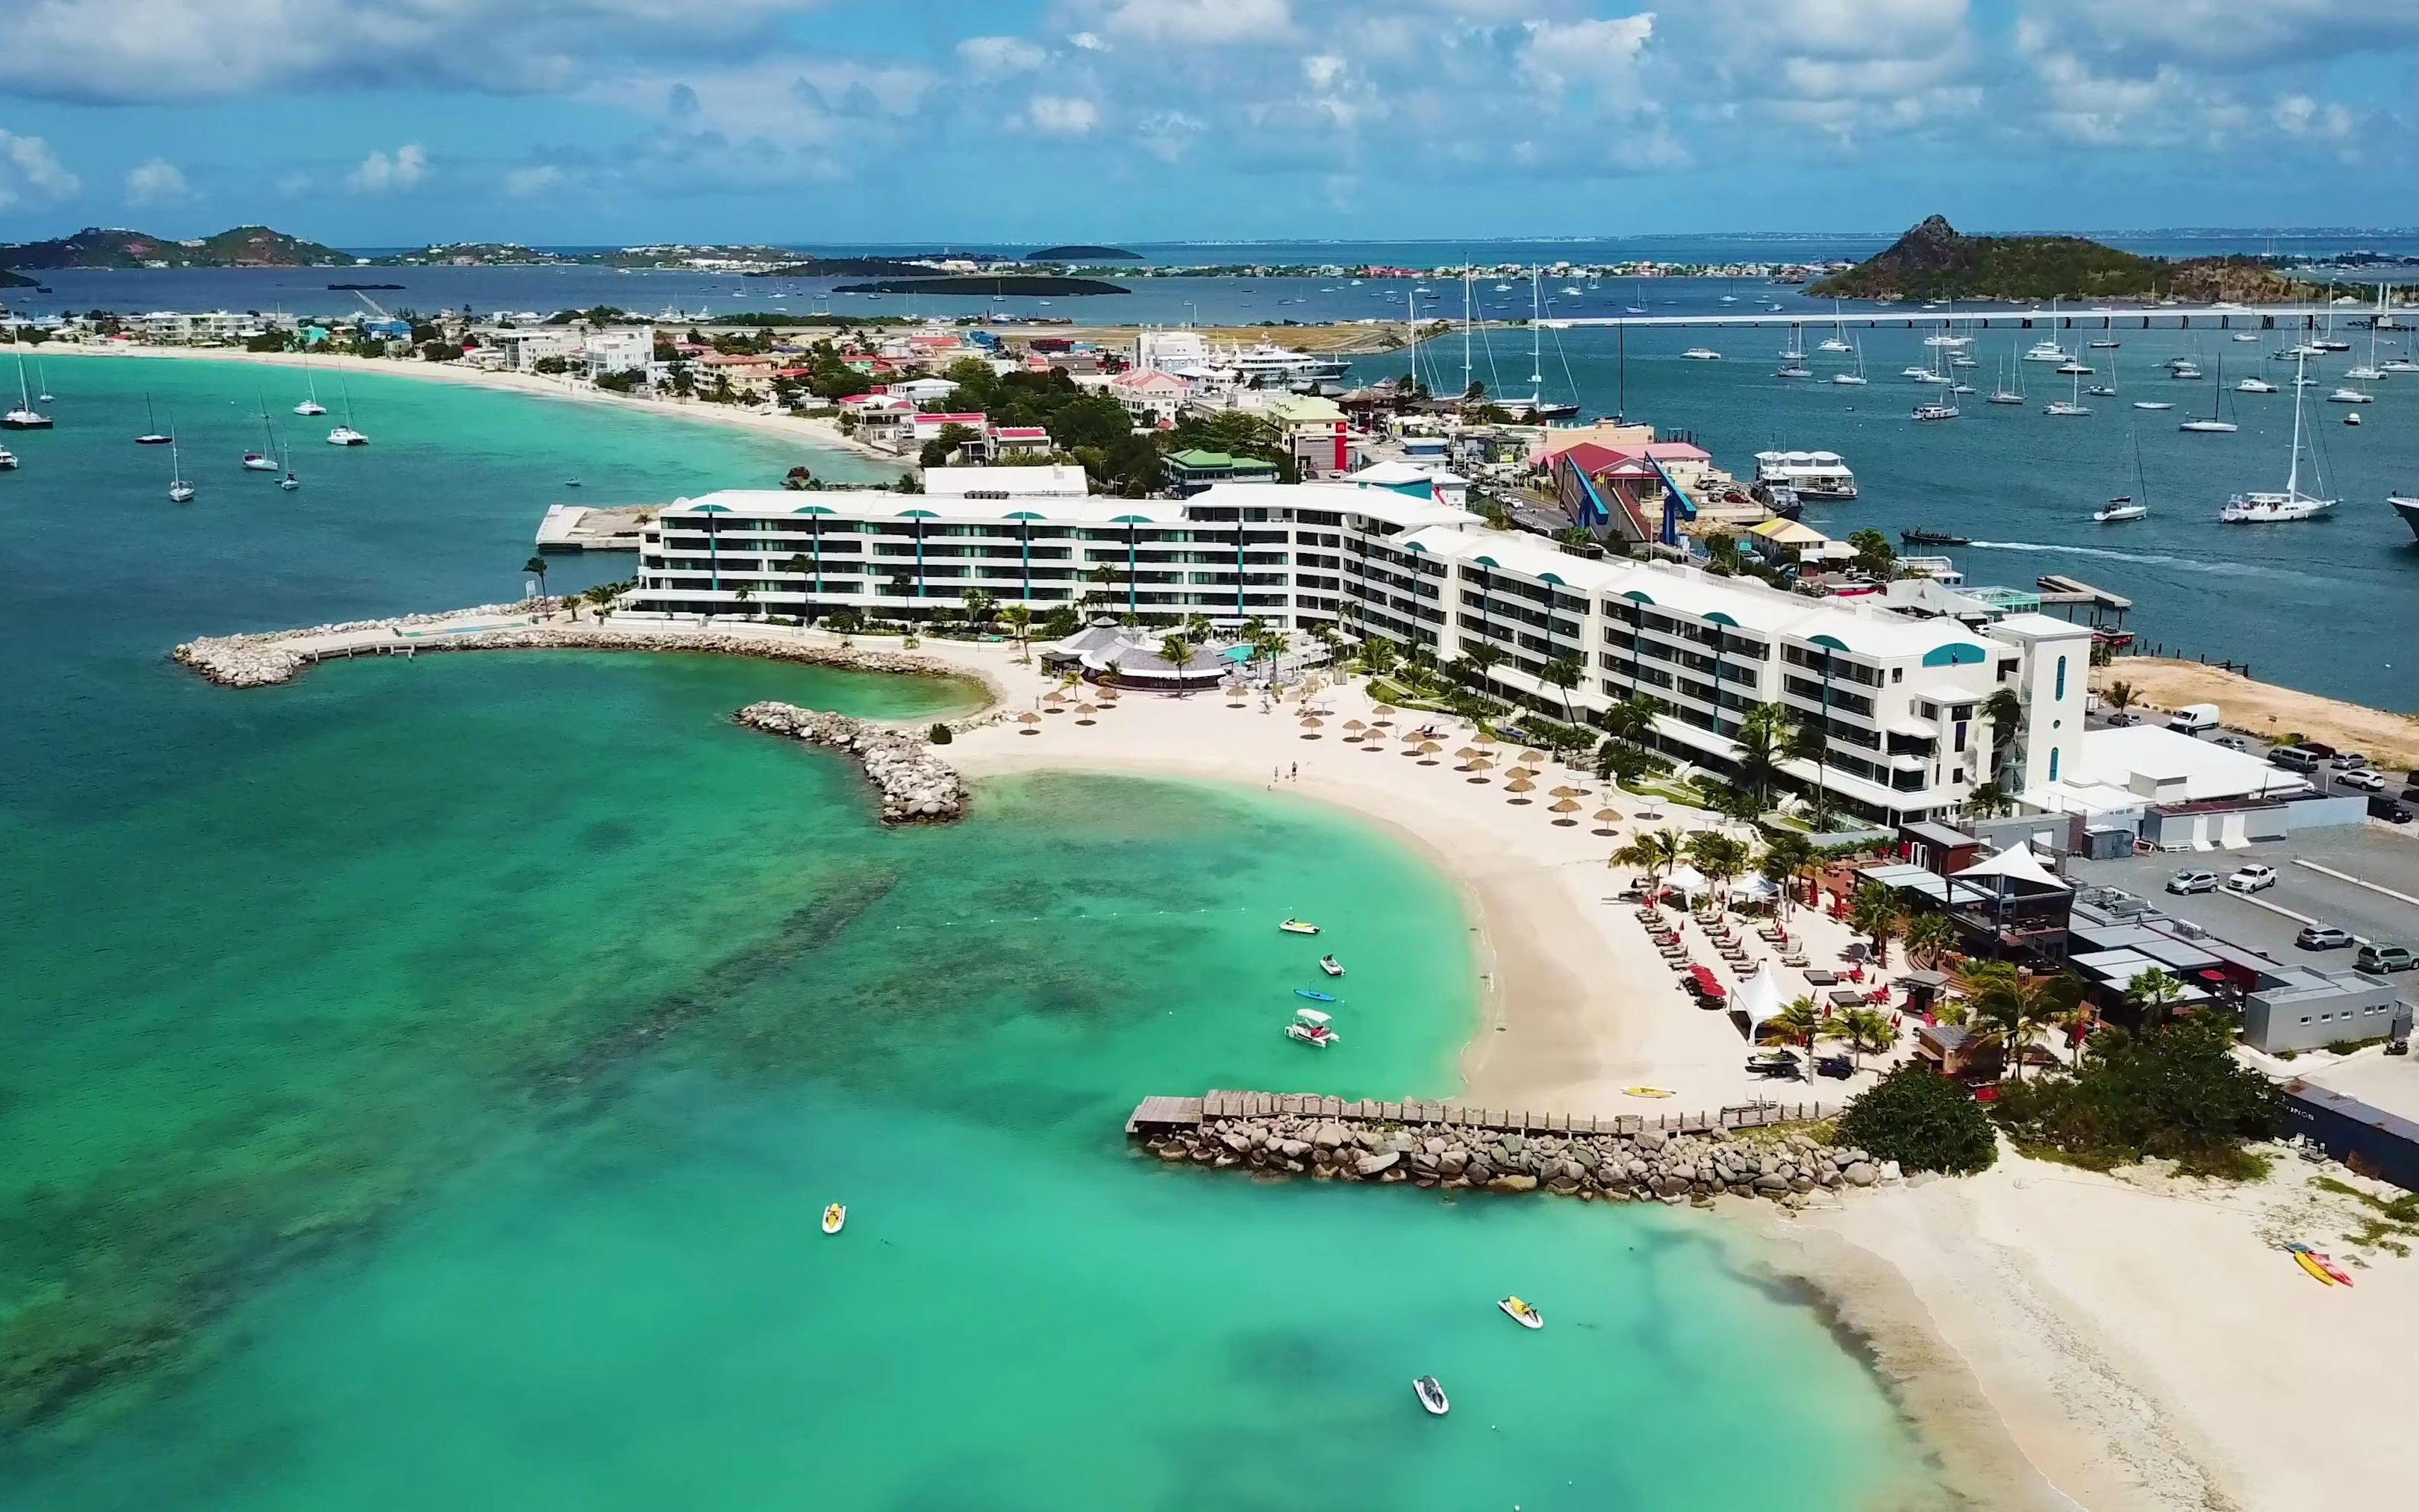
1809 474
2407 509
1266 361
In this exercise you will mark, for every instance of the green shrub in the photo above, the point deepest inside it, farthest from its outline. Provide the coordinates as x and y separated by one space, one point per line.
2175 1092
941 734
1922 1120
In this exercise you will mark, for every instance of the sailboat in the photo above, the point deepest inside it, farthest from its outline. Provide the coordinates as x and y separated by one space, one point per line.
1857 379
2367 372
2255 508
43 374
2132 506
2070 407
155 436
2107 390
2217 397
179 491
2004 395
263 461
1837 340
1536 407
312 405
1638 308
345 435
24 417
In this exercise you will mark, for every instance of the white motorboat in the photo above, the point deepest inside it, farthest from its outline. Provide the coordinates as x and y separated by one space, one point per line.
2152 404
1431 1394
289 483
7 459
835 1217
2351 396
255 462
1794 371
2255 385
2210 428
2075 369
1521 1313
2118 510
1330 965
1935 411
1299 926
24 417
2246 335
2103 345
2047 351
1311 1027
2352 419
2291 503
1702 354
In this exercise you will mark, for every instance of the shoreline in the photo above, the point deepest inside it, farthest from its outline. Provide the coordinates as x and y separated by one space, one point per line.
823 435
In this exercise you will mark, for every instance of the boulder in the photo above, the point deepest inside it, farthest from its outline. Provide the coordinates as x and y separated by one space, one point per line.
1861 1173
1369 1165
1513 1183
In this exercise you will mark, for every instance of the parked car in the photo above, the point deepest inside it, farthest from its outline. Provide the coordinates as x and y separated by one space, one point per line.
2295 758
2120 719
2363 778
2253 878
2193 882
2393 811
2350 759
2383 958
2322 751
2234 742
2322 937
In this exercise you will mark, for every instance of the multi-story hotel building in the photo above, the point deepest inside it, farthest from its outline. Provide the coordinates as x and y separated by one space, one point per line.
1899 697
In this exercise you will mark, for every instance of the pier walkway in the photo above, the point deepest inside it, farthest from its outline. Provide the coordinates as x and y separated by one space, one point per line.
1158 1116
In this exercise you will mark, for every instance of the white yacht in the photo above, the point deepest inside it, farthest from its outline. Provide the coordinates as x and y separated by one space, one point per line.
2069 407
1857 379
1266 361
179 491
2255 385
2184 370
2290 505
24 416
1935 411
2047 351
1810 474
2074 369
2398 364
311 405
1795 371
7 459
345 435
1702 354
2152 404
2351 396
2246 335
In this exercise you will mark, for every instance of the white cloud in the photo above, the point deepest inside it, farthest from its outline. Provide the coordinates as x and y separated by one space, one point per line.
380 172
1201 23
2301 115
1604 51
1089 42
1061 115
29 167
997 58
2221 35
529 183
156 182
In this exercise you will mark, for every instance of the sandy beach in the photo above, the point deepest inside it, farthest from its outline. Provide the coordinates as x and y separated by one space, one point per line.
2266 709
823 434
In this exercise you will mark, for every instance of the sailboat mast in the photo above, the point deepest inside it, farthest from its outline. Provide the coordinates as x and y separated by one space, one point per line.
1465 333
2293 472
1537 339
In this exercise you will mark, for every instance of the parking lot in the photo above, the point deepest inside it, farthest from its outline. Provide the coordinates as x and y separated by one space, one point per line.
2387 858
2327 779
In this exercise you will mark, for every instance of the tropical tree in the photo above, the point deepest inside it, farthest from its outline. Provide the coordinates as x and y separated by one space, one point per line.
1875 558
1377 655
1198 630
2012 1007
1722 554
1482 660
1798 1023
1562 674
1866 1031
1019 620
1989 798
1632 719
1873 913
1808 741
2151 992
2119 696
535 567
743 594
1617 761
797 564
1177 653
1721 857
1762 740
2004 712
1787 855
1654 852
979 607
1931 940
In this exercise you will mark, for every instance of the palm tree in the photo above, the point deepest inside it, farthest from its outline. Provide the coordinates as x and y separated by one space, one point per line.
1720 856
1798 1023
1722 555
743 594
1377 655
1019 620
535 567
2004 712
2015 1006
1177 653
1784 856
1990 798
979 607
1762 739
1482 660
1562 674
1873 913
2119 696
2152 992
1198 630
1632 719
1931 940
1652 851
1866 1031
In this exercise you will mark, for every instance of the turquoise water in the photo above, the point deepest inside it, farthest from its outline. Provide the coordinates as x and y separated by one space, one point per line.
2289 599
425 1077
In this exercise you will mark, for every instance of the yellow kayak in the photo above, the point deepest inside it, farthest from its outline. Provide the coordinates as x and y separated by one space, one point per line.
2318 1272
1647 1091
835 1218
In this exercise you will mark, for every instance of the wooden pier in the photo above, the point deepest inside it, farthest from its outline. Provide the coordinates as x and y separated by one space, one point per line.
1158 1116
2059 589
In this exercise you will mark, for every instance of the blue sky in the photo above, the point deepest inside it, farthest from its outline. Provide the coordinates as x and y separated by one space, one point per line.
373 122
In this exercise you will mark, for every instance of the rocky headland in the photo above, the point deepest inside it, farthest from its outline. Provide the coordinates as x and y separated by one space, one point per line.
916 786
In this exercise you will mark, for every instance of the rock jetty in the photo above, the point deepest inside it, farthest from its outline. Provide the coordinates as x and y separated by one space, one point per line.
277 656
916 786
1644 1166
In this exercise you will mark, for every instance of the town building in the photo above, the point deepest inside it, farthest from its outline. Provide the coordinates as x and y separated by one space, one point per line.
1899 700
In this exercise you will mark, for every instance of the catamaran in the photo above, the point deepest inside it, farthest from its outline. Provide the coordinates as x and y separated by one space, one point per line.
310 406
179 491
345 435
1837 340
2004 395
24 417
264 460
2291 504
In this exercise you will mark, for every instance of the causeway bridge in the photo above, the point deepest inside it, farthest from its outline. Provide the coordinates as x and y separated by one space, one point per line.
1905 317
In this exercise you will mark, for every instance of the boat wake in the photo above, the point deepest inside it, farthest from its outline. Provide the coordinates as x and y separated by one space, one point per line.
2150 559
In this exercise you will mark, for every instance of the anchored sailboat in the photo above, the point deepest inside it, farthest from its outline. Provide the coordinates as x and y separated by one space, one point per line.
2255 508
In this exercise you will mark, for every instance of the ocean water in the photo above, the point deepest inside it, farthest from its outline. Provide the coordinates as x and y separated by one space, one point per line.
2331 606
424 1079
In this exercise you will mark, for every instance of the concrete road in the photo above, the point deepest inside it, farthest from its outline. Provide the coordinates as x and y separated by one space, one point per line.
2387 859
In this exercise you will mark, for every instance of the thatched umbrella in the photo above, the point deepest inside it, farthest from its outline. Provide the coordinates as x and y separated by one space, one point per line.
1238 692
1479 767
1055 699
1385 710
1519 785
1352 728
1528 756
1029 719
1311 725
1569 791
1467 753
1426 752
1109 695
1413 741
1566 808
1522 771
1606 818
1084 713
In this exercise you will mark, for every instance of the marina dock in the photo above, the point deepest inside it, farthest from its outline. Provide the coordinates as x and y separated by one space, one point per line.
2056 589
1156 1118
572 529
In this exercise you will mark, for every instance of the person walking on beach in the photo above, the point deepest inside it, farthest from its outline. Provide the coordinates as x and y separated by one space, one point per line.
1296 774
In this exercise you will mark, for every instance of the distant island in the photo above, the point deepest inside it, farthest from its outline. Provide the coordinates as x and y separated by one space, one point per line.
1935 261
349 287
1080 253
514 255
10 280
987 284
244 246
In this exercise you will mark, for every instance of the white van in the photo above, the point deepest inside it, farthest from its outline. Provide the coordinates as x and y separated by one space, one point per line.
2193 719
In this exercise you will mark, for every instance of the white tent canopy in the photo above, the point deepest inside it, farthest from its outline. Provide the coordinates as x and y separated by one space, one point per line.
1759 998
1685 880
2017 863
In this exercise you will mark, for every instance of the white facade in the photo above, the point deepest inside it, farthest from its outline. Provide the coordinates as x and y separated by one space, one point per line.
619 350
1168 350
1899 698
523 348
1062 480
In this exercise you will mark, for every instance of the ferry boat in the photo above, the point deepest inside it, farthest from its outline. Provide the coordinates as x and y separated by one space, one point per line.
1809 474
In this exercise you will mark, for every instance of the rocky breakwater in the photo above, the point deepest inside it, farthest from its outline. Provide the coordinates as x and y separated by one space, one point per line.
916 786
1647 1165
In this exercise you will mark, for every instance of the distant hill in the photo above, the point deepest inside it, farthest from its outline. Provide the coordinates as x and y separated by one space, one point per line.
10 280
987 284
1935 262
244 246
1079 253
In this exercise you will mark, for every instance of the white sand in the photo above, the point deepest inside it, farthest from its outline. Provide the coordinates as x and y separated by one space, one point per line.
823 434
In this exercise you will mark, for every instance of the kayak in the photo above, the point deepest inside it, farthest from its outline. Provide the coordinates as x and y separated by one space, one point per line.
1431 1394
2318 1272
1521 1313
1297 926
1647 1091
835 1218
2335 1272
1316 995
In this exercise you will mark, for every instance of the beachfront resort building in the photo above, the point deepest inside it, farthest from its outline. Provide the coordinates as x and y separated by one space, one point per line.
1900 698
